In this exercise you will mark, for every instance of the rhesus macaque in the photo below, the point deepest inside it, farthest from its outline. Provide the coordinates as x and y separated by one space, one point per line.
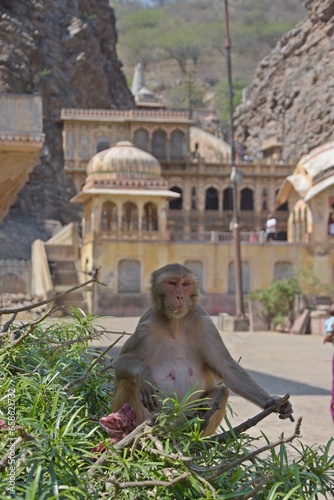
175 347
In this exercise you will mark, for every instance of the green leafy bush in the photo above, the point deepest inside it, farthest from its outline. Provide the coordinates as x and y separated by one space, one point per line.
55 390
277 299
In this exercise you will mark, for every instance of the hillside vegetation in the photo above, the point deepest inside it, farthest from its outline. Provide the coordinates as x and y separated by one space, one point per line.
181 44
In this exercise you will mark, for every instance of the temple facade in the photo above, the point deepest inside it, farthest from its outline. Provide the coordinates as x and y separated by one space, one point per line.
157 189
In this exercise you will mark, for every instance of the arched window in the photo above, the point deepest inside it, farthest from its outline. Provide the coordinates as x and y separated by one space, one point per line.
228 199
129 276
196 266
84 145
176 204
211 199
102 144
246 200
150 218
283 270
159 143
109 216
129 216
245 274
177 145
141 139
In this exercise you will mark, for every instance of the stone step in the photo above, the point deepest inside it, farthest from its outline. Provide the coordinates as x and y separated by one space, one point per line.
65 277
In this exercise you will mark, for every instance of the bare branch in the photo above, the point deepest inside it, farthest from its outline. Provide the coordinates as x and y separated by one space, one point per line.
236 463
149 482
31 326
91 366
251 422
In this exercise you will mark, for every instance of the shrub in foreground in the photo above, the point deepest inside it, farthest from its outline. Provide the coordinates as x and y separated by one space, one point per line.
54 390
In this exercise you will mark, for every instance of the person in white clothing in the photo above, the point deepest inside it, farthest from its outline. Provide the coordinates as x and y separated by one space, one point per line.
271 227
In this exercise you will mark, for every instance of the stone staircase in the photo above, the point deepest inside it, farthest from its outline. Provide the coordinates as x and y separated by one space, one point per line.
65 276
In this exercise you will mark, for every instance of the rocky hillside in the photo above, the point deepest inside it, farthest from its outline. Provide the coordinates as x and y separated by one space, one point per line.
292 94
65 51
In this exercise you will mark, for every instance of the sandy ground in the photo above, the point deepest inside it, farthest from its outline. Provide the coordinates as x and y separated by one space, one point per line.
281 363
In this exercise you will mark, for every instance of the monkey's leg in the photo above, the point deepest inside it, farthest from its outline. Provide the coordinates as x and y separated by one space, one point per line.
213 417
128 392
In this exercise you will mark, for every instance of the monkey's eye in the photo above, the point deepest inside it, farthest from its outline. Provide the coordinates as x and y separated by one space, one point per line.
186 283
172 282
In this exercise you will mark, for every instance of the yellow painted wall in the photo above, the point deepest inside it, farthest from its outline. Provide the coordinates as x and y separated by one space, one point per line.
215 258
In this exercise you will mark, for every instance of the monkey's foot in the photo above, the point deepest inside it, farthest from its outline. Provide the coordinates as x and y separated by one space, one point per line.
120 424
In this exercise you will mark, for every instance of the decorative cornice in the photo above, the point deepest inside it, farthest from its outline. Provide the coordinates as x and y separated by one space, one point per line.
22 137
123 115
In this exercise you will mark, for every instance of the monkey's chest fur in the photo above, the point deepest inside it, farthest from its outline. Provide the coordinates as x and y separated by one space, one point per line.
176 370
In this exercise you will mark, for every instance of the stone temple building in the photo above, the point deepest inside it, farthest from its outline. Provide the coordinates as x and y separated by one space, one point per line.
155 189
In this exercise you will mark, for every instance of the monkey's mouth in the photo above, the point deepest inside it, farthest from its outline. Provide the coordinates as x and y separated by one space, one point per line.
179 311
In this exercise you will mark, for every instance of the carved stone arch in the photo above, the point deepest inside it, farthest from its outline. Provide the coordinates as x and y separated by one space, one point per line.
228 199
300 222
177 203
159 143
247 198
141 138
102 143
109 216
178 144
211 198
150 217
129 216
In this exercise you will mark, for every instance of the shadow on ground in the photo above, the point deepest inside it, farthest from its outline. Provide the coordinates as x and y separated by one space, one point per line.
279 385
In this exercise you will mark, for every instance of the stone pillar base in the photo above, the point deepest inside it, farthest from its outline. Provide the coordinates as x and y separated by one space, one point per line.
232 324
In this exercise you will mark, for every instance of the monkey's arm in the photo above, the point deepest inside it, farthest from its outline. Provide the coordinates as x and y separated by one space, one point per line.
235 377
130 367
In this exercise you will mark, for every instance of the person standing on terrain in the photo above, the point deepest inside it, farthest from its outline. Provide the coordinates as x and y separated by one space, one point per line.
271 227
329 337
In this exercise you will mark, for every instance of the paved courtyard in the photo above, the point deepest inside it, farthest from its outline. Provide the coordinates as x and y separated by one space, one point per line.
282 363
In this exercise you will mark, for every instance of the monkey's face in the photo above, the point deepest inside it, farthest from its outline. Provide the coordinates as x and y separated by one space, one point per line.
179 295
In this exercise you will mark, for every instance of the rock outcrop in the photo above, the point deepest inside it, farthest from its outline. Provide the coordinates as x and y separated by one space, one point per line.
66 52
292 97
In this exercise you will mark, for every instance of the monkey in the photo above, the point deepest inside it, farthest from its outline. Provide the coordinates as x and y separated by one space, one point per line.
175 347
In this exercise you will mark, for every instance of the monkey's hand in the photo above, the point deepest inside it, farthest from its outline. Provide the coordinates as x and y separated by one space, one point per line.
282 406
149 396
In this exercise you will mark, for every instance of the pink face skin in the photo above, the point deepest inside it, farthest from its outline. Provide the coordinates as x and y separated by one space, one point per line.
179 293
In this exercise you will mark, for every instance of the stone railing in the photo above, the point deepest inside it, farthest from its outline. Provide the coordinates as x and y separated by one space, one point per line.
78 114
220 237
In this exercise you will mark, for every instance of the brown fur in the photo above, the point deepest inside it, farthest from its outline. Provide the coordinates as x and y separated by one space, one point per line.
176 346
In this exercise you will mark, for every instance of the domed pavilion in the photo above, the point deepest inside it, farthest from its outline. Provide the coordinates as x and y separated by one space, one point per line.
124 196
124 223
